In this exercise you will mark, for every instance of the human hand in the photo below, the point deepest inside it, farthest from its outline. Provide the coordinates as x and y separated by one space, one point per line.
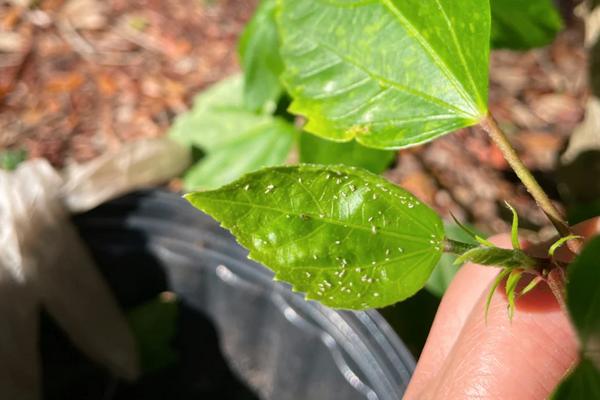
465 358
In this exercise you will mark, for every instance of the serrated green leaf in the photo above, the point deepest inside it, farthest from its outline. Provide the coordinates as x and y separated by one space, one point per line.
314 150
263 146
260 59
583 383
583 298
388 73
497 257
444 272
217 117
342 235
521 25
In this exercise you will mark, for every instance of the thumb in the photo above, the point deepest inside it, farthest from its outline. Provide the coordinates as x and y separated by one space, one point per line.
523 359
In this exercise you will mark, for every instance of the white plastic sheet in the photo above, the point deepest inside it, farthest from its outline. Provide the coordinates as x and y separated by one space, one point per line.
44 264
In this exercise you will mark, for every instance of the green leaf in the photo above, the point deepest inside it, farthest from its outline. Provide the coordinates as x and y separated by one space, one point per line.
583 383
262 146
260 59
444 272
521 25
154 326
442 275
583 298
236 141
314 150
342 235
388 73
217 117
497 257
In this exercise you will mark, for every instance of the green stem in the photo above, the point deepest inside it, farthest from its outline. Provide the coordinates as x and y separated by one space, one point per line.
534 188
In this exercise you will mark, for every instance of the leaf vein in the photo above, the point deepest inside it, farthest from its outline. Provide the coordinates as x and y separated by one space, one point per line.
429 50
325 220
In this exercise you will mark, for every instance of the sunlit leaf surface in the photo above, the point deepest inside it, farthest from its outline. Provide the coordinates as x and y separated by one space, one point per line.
342 235
388 73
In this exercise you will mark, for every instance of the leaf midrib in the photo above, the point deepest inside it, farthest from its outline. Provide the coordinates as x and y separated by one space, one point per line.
325 220
395 85
406 256
378 188
460 52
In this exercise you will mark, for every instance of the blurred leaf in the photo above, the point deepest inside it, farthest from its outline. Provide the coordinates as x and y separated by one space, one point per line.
260 59
217 117
412 319
315 150
10 159
262 146
234 141
580 212
524 24
580 186
580 166
583 383
445 271
583 299
154 325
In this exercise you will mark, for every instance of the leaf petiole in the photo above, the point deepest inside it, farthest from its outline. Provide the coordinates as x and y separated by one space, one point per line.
534 188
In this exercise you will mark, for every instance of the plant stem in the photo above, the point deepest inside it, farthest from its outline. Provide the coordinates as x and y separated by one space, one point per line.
533 187
458 248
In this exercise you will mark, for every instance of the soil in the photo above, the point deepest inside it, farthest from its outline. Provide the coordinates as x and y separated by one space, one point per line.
82 77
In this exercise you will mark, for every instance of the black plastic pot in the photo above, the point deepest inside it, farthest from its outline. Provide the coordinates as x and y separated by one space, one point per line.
279 345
